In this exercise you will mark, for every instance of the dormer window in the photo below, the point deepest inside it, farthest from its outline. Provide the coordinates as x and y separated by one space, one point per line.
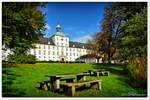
83 47
48 42
73 45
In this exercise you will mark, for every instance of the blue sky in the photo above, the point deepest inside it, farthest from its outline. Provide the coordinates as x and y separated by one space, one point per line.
79 20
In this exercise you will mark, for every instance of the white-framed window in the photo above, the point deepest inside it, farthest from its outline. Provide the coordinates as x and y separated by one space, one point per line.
39 52
49 47
48 52
44 52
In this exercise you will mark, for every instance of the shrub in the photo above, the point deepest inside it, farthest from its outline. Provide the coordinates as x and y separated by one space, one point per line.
22 58
138 71
79 62
31 59
7 64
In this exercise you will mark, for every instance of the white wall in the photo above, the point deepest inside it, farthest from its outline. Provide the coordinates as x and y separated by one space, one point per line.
50 52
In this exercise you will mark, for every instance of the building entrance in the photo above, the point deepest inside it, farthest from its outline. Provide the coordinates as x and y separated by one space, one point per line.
62 59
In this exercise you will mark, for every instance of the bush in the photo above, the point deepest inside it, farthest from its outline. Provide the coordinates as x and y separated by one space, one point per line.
138 71
79 62
22 58
7 64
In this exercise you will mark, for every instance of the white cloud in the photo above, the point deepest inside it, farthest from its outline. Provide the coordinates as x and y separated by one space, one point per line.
83 39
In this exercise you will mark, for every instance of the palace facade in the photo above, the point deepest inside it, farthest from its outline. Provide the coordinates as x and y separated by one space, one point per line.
58 48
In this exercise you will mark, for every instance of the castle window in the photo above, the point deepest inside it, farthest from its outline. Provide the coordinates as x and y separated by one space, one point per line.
48 52
44 52
39 52
62 39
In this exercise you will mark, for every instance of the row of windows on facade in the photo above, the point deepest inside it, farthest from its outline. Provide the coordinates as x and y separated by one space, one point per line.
62 44
61 39
62 53
55 57
62 48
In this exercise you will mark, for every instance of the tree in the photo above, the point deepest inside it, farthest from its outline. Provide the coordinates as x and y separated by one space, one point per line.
95 49
116 16
22 25
135 37
132 39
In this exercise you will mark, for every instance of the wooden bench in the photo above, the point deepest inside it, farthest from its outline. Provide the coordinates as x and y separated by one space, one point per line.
103 73
69 88
55 79
44 85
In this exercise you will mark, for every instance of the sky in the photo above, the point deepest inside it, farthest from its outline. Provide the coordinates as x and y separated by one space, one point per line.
78 20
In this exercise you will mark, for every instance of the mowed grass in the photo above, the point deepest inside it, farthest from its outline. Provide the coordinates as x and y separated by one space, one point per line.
22 81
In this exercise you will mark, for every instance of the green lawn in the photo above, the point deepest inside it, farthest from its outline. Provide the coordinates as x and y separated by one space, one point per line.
23 80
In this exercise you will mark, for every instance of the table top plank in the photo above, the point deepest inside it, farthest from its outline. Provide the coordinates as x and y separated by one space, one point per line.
67 75
80 83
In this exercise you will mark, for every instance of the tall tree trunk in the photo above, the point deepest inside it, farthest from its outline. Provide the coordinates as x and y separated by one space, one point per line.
109 52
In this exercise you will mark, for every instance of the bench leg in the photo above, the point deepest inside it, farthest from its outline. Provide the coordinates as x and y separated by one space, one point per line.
71 91
107 73
99 86
103 73
55 85
45 86
96 85
97 73
81 78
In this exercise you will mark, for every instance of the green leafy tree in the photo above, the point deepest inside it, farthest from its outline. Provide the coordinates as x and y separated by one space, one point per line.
134 40
22 25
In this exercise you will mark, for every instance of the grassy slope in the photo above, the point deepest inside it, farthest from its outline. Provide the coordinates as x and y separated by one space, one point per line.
23 80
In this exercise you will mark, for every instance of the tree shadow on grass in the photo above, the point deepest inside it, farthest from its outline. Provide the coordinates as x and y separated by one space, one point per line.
117 69
140 92
8 78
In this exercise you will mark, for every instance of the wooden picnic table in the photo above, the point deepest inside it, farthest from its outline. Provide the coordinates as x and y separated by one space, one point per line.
55 79
98 71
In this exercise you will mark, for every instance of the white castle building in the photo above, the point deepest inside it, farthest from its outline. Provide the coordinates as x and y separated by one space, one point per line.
58 48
